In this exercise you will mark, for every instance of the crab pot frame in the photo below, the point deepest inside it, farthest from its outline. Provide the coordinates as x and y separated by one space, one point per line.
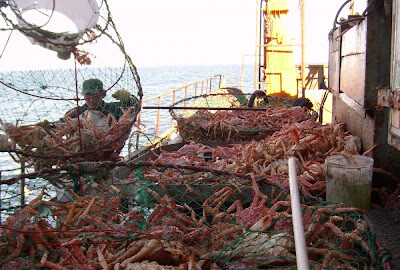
223 125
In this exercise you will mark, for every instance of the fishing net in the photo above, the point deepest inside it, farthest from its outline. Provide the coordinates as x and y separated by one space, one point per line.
245 223
309 141
81 110
222 124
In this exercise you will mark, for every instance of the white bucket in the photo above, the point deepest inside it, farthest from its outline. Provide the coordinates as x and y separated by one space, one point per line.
349 180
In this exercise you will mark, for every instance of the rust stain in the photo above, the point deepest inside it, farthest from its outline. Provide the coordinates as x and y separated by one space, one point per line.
352 53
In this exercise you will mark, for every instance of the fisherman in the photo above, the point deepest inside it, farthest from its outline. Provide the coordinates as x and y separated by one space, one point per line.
96 109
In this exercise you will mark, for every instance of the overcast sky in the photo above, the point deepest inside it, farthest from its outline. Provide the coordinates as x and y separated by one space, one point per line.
187 32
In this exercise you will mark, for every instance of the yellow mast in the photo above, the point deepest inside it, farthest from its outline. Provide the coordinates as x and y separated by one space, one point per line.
303 50
279 71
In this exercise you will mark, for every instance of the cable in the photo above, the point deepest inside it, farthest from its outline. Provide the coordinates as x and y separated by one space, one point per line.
367 9
364 14
5 46
337 14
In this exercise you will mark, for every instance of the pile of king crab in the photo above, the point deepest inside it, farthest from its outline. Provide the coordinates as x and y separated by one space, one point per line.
309 141
225 125
47 145
94 233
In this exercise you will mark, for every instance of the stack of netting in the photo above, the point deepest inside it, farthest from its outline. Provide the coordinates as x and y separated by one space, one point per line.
240 123
227 229
69 112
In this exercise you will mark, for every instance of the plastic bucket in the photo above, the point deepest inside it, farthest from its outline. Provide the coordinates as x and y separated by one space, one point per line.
349 180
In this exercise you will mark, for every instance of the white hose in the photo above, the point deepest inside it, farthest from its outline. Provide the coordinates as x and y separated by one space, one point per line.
297 218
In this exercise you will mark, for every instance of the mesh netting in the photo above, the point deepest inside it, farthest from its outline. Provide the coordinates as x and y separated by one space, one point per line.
309 141
234 125
244 223
73 113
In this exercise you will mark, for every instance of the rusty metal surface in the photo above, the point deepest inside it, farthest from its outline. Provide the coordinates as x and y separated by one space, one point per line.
352 77
334 62
385 155
354 41
357 108
365 66
388 98
366 58
359 125
378 64
394 141
353 62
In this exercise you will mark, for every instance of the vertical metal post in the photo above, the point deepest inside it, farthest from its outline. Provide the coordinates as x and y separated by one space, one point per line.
158 117
186 95
22 202
77 117
77 109
351 7
195 89
210 86
202 87
303 49
173 102
258 25
222 81
138 127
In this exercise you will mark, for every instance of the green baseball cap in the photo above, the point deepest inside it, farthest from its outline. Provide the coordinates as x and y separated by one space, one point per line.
92 87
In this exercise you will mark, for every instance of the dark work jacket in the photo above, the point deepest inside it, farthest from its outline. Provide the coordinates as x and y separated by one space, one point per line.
106 108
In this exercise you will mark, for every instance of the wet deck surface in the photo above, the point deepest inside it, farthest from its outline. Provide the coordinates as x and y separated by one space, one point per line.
386 225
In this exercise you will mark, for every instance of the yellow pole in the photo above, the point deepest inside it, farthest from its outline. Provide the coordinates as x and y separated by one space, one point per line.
351 7
256 53
303 49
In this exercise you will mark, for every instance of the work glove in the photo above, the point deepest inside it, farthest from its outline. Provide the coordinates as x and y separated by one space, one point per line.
122 95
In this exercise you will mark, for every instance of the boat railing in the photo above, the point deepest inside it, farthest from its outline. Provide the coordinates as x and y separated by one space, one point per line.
164 123
18 192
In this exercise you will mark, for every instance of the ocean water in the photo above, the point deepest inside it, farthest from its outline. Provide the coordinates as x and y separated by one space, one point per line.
154 81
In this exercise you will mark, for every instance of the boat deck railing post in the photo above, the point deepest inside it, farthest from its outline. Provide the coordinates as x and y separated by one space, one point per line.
173 102
186 95
158 118
205 88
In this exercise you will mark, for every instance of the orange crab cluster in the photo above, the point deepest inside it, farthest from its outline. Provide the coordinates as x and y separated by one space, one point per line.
309 141
92 233
243 125
72 139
